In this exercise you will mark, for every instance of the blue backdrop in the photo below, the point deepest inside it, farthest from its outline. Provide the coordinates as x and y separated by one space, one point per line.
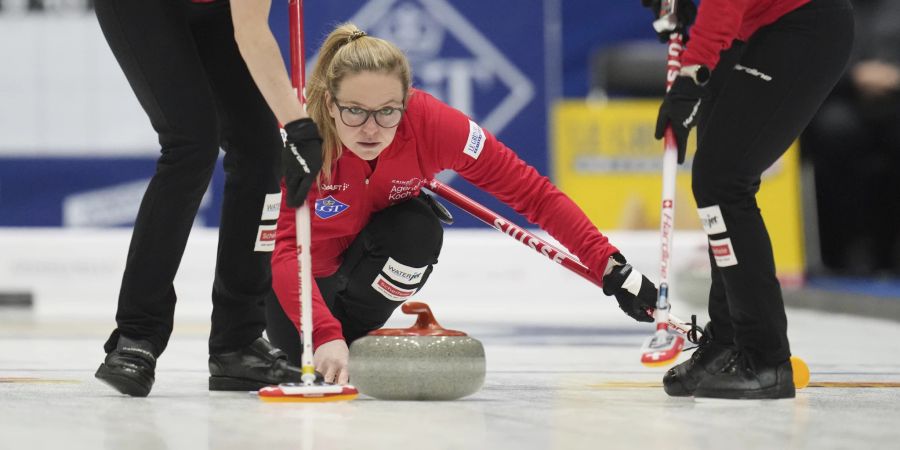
503 62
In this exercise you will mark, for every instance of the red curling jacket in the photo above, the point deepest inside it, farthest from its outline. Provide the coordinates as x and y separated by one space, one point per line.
431 137
719 22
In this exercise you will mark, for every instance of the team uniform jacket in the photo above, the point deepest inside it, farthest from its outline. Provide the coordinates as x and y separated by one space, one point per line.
720 22
431 137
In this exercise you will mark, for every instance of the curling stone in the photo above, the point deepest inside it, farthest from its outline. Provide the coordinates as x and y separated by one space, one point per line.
423 362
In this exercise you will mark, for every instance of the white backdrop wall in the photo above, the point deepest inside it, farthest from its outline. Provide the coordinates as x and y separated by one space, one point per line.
61 88
76 273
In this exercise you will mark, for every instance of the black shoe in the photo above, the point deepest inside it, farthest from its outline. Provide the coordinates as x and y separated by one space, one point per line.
749 379
251 368
129 368
709 358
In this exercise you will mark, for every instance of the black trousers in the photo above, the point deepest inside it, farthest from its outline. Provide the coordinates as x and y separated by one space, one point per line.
406 234
185 69
764 93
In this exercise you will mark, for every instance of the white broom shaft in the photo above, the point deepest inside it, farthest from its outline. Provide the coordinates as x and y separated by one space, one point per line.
302 222
666 230
670 168
305 264
667 216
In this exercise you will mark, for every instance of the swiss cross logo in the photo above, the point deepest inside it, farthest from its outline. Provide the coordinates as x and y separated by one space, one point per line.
451 59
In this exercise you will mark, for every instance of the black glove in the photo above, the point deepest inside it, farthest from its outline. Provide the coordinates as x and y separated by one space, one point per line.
681 108
685 13
634 292
301 159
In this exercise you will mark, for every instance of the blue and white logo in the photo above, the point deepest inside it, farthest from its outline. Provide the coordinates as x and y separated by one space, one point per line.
329 207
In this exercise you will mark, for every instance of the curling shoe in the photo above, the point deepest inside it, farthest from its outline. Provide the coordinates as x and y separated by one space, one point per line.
251 368
709 358
746 378
129 368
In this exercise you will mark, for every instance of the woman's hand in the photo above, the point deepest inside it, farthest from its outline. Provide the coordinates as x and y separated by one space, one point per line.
331 359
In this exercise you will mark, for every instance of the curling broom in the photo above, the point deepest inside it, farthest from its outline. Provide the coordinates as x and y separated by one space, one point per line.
308 390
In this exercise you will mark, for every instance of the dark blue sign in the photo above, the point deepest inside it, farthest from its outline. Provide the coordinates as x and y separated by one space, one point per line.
468 54
489 59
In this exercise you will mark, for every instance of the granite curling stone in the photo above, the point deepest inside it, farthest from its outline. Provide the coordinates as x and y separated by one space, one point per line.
423 362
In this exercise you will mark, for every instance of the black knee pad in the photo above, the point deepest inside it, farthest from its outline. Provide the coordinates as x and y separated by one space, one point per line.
388 262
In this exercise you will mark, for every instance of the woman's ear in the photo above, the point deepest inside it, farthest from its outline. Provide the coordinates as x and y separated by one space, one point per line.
329 103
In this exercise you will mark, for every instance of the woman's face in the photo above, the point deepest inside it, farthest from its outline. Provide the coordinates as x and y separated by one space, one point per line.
359 94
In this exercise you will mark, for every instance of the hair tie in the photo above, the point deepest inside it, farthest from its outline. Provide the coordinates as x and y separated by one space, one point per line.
355 35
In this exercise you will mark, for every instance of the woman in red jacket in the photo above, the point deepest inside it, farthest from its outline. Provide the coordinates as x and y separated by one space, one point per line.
753 74
374 237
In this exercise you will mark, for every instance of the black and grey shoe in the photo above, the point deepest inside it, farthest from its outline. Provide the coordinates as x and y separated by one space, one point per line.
129 368
709 358
746 378
250 368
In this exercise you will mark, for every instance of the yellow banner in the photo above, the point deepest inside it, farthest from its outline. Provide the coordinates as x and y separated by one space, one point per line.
606 159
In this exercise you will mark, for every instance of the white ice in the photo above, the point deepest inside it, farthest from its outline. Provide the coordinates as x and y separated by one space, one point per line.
563 367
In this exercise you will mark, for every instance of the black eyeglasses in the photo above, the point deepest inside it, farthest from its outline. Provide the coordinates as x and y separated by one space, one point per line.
354 116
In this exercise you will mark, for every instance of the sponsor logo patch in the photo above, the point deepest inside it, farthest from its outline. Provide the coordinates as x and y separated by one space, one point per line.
401 189
334 187
402 273
475 142
391 291
329 207
754 72
265 238
711 218
723 252
271 206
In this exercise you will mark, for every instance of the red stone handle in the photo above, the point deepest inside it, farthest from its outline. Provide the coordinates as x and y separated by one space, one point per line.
426 324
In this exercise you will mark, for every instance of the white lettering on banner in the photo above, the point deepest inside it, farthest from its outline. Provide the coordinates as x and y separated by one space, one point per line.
526 238
391 291
271 206
475 141
265 238
402 273
711 218
723 252
112 205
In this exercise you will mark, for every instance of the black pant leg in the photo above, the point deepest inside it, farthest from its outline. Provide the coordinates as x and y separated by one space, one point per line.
720 327
252 143
785 72
153 44
389 260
